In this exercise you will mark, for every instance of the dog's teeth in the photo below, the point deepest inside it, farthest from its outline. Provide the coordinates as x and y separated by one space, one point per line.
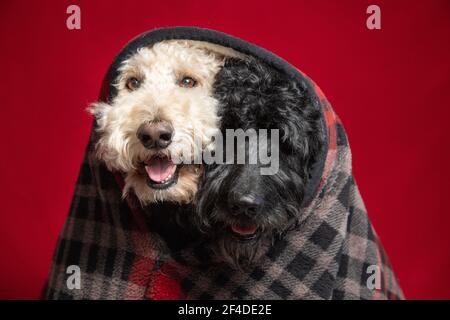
167 179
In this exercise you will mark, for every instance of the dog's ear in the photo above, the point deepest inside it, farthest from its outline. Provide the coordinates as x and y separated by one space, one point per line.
97 109
299 134
293 139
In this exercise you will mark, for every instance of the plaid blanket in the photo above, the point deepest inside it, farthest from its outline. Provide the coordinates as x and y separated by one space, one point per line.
333 253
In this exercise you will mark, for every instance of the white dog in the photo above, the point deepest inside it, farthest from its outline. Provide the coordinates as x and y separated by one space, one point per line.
163 106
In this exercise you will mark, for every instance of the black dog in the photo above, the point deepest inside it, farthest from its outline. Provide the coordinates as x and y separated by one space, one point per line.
244 211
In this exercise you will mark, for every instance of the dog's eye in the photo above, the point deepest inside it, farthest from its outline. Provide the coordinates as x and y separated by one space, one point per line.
133 84
187 82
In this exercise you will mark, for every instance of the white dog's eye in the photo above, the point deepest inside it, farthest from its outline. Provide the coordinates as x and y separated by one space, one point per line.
187 82
133 84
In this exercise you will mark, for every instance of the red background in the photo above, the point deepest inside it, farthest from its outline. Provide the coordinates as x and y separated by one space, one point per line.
390 87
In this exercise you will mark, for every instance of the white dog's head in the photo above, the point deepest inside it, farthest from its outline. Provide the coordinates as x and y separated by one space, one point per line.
163 107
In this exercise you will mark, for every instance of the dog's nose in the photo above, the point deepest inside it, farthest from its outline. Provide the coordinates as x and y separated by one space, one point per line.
155 135
245 205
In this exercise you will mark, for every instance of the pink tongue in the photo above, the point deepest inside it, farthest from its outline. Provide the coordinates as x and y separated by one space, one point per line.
243 229
158 169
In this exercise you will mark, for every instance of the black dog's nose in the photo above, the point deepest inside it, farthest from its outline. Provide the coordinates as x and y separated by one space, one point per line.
155 135
245 205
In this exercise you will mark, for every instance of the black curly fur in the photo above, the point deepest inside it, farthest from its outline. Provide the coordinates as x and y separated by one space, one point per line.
253 95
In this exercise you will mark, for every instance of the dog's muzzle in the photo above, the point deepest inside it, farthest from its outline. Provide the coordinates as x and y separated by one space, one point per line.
160 170
155 135
245 210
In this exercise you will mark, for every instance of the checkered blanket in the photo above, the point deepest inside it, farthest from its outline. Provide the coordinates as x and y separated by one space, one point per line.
332 252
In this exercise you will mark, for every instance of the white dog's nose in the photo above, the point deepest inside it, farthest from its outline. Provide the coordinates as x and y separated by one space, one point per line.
155 135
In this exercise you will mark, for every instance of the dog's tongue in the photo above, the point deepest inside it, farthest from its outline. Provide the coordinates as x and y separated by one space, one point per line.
244 230
159 169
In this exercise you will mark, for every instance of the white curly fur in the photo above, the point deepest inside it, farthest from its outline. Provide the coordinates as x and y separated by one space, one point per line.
191 111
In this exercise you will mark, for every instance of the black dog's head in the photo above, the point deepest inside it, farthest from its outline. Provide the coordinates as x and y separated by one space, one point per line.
243 210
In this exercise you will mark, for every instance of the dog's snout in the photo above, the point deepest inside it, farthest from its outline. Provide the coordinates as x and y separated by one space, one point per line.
245 205
155 135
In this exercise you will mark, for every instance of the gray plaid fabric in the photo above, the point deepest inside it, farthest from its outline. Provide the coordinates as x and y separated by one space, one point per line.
332 253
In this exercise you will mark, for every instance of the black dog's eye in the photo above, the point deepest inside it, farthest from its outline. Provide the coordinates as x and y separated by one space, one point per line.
187 82
133 84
